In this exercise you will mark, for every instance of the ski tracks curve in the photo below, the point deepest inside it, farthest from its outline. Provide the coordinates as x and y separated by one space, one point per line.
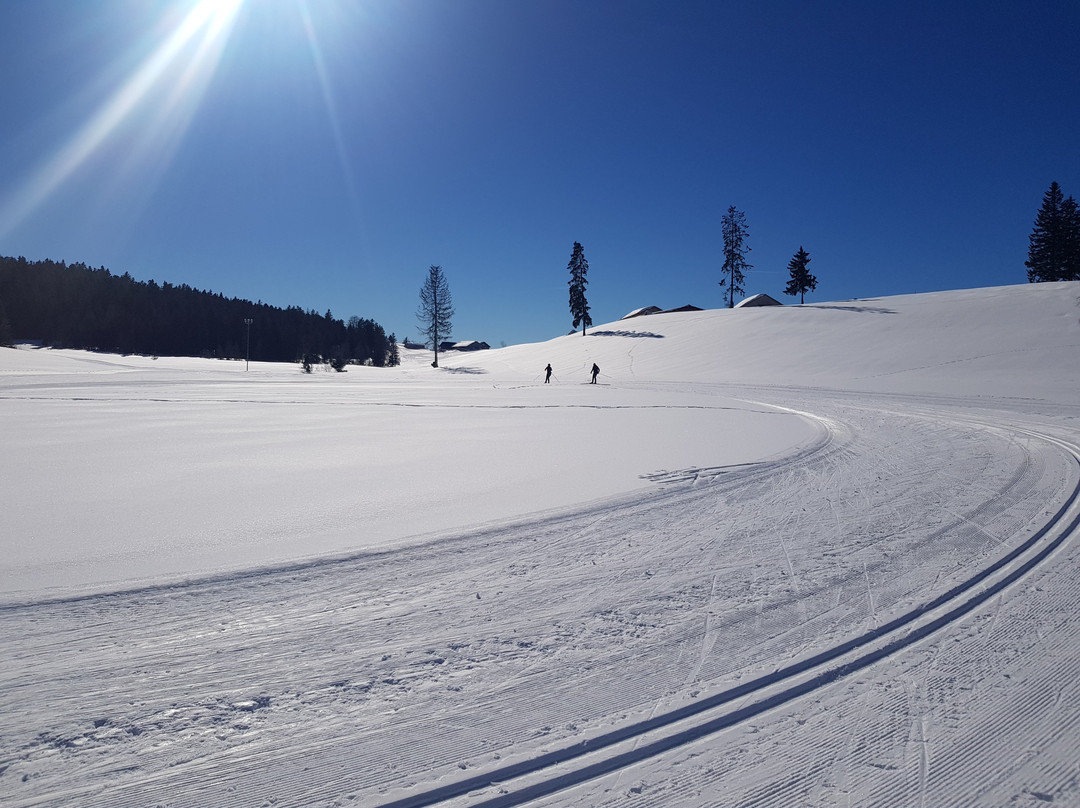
383 678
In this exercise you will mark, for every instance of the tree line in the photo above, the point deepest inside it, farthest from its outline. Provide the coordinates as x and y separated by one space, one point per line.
75 306
1053 255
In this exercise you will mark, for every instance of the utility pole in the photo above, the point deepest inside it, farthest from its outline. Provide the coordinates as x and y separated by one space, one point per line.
247 355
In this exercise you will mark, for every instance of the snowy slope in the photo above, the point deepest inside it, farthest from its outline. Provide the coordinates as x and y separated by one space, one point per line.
808 555
1009 341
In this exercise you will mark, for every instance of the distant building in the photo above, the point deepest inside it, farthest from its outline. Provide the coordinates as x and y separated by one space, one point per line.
657 310
757 300
643 311
465 345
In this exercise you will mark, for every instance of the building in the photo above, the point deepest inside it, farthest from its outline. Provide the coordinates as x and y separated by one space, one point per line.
757 300
642 312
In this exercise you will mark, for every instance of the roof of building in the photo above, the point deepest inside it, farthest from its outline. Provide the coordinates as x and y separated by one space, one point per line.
643 311
758 300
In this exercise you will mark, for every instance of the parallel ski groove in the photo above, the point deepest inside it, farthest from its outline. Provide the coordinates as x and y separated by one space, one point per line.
622 760
642 632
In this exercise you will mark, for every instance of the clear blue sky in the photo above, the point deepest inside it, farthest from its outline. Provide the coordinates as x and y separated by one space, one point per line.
325 153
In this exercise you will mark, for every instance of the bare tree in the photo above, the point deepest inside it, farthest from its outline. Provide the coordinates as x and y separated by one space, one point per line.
733 227
436 310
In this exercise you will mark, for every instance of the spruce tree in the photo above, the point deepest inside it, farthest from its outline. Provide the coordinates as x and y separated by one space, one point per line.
393 355
1054 243
1072 240
436 310
800 281
579 306
733 228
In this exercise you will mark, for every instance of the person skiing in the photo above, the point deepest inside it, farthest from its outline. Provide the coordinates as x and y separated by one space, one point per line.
547 370
595 373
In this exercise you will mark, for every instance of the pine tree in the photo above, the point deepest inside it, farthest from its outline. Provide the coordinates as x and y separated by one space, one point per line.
801 281
1072 240
733 227
579 306
393 356
436 309
1054 243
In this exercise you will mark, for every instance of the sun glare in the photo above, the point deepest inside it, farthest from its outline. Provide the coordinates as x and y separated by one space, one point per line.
328 100
157 101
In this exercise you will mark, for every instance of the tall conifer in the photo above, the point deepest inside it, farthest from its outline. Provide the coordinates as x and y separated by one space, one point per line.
1054 243
579 306
800 281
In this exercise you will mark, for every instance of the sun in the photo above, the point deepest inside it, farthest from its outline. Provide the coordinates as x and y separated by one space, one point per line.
130 136
153 105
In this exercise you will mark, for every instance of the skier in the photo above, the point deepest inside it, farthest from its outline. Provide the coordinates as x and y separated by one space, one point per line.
547 378
595 373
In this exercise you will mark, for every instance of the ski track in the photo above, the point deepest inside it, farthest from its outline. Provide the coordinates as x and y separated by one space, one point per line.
383 677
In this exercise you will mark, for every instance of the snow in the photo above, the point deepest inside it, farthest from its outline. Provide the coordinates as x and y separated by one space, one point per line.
806 555
132 468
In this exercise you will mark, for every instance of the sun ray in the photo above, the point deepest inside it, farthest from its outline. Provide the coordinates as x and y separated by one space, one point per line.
329 101
177 70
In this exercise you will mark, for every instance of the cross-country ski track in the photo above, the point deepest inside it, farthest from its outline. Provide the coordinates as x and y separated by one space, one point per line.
352 678
883 614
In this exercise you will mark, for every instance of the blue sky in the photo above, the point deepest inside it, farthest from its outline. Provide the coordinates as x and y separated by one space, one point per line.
325 153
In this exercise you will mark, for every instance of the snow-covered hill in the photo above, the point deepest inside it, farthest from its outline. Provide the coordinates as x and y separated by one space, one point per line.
810 555
1006 341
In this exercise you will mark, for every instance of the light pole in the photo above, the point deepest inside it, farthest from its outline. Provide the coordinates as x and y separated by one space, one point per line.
247 355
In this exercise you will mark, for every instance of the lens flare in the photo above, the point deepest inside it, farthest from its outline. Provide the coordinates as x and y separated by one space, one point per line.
328 100
162 94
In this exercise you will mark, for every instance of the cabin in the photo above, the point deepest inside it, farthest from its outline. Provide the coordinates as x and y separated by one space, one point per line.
642 312
646 310
465 345
757 300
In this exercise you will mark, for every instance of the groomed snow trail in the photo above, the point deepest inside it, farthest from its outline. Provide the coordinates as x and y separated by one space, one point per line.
387 676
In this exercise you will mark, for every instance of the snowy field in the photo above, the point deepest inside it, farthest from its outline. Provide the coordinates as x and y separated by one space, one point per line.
812 555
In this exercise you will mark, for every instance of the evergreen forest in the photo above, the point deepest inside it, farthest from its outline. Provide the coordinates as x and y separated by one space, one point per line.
75 306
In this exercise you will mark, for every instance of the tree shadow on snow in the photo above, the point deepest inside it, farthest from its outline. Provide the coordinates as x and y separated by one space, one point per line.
627 334
477 371
864 309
